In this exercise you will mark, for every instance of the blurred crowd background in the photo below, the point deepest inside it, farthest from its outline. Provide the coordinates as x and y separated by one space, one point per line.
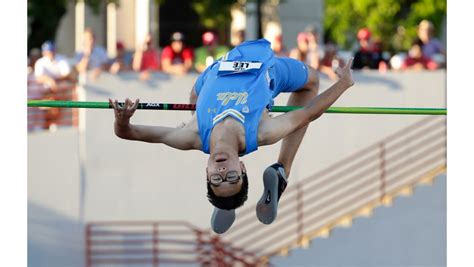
67 38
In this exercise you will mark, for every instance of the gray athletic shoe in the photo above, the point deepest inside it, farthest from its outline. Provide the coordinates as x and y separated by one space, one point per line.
222 220
274 182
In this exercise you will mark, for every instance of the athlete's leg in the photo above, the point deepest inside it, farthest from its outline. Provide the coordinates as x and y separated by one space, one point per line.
275 176
291 143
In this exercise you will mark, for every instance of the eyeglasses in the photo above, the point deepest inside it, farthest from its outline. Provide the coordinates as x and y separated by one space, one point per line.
232 177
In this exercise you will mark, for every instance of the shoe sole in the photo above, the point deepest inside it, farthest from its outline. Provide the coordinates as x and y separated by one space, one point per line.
267 206
222 220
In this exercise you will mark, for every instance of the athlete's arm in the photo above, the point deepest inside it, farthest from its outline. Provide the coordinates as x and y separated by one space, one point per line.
193 96
185 138
274 129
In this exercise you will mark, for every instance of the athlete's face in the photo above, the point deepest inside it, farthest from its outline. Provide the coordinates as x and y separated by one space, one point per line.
224 172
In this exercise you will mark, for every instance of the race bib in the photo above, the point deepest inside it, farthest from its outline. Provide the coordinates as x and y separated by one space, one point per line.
233 67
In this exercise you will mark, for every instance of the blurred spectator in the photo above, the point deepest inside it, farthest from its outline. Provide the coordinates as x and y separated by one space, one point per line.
176 58
430 45
313 38
397 60
369 54
308 51
146 58
238 37
303 51
209 52
274 34
278 47
416 60
51 68
331 58
33 56
93 57
123 60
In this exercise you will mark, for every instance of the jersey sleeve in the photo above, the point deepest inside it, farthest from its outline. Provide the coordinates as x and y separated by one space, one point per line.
202 79
199 82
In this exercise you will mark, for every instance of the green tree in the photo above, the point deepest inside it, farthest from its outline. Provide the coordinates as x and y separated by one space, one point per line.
214 14
393 22
44 17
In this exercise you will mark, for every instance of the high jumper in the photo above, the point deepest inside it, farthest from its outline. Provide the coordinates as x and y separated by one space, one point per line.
233 97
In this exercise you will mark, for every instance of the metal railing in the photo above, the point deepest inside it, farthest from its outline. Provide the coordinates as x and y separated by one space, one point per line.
168 243
351 187
348 188
46 118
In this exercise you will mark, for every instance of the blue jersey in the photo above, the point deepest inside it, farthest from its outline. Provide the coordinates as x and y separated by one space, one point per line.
240 85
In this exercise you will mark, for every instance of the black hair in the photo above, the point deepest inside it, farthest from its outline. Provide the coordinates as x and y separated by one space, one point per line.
417 42
230 202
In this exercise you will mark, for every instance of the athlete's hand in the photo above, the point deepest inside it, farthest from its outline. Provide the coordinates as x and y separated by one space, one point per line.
345 73
123 112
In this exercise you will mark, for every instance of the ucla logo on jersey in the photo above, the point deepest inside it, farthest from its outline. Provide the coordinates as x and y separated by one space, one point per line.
238 97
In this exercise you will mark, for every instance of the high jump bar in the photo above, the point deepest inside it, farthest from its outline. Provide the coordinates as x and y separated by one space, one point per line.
170 106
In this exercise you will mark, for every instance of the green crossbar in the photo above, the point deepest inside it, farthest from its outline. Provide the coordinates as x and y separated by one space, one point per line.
170 106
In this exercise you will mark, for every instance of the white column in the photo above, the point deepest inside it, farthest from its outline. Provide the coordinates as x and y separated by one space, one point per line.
154 21
238 23
82 153
79 24
111 29
251 27
142 20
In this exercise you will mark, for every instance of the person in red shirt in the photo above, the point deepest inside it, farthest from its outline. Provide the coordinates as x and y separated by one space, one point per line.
369 54
417 61
176 58
146 58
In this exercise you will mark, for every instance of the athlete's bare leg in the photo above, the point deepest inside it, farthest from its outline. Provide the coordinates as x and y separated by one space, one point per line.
291 143
274 180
